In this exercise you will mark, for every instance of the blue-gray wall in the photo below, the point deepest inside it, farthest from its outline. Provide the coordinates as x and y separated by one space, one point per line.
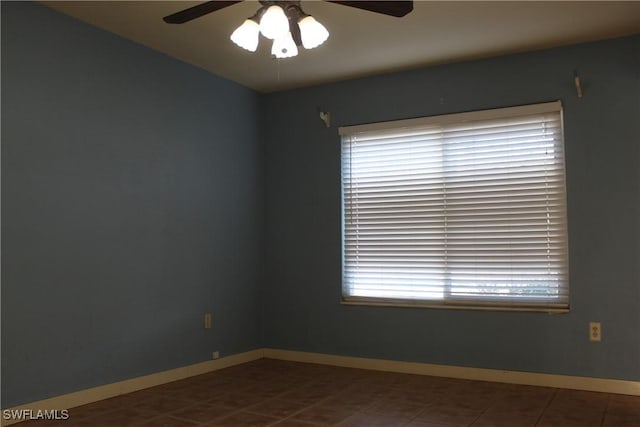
602 132
131 205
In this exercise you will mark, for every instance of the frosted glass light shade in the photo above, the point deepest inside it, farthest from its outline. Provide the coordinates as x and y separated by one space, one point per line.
246 35
274 24
284 47
312 32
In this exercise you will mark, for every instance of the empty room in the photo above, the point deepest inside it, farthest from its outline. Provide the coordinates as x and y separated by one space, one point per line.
320 213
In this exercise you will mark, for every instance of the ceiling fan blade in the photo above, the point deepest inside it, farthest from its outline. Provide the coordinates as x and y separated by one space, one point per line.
197 11
391 8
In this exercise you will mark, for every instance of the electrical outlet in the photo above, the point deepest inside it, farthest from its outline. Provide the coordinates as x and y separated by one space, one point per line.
595 332
207 321
215 355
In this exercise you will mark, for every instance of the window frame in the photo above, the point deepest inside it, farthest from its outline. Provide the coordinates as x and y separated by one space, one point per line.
447 119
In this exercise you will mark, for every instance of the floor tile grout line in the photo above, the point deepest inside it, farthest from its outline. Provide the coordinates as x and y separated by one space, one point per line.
553 396
606 409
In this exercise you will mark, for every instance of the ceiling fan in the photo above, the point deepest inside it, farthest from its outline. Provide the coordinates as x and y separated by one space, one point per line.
284 22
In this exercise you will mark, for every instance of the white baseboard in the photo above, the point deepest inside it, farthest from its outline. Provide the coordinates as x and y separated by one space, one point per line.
95 394
512 377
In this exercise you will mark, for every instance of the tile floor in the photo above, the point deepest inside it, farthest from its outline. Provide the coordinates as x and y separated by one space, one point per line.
270 392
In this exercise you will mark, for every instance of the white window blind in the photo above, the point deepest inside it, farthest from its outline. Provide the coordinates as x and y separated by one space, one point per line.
465 209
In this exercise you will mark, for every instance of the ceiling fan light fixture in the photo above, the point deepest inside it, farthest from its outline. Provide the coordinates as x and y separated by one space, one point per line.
247 35
274 24
278 19
284 47
312 32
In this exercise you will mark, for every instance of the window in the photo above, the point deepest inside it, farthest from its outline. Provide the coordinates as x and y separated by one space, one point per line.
460 210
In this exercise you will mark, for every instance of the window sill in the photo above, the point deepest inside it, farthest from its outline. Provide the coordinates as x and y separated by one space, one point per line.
457 306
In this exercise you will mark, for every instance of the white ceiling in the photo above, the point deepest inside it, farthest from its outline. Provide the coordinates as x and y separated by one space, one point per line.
361 43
